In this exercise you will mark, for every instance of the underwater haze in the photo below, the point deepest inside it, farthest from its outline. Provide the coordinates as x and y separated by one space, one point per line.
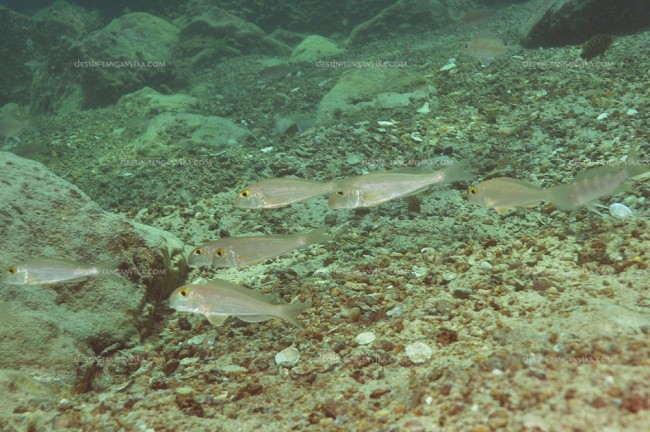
301 215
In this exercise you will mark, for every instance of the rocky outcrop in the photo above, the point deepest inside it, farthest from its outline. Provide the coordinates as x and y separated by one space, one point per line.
570 22
54 326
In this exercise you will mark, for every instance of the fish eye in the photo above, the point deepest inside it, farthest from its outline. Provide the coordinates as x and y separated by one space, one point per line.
184 293
12 269
472 191
219 252
198 251
245 193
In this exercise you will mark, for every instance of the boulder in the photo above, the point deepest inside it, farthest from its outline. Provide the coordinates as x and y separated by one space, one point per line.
133 51
370 91
403 15
314 48
212 34
571 22
64 326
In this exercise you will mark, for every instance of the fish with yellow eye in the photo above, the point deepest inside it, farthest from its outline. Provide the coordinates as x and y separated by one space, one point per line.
504 193
46 271
280 192
218 299
379 187
247 250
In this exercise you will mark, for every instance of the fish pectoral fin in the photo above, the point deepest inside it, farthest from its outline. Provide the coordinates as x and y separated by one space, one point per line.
254 318
594 205
485 61
504 210
216 320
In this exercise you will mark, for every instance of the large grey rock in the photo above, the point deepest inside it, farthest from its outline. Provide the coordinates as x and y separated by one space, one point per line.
141 46
400 16
60 327
567 22
367 92
213 34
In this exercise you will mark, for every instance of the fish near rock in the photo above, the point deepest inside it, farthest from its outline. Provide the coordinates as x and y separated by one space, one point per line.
596 46
48 271
486 46
247 250
218 299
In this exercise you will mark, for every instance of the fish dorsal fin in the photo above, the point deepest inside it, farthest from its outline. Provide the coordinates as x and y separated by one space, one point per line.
595 172
241 290
216 319
254 318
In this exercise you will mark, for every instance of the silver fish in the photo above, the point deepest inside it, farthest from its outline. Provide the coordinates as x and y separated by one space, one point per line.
46 271
504 194
486 46
280 192
243 251
379 187
218 299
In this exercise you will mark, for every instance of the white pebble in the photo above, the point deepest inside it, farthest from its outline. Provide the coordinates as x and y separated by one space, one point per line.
385 123
288 357
451 64
267 149
602 116
485 265
365 338
419 352
620 211
632 112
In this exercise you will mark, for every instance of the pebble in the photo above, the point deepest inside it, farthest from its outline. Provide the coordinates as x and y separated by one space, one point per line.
632 112
602 116
365 338
418 352
288 357
620 211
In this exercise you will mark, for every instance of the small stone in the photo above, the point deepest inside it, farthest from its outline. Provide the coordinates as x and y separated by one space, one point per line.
365 338
170 366
620 211
288 357
602 116
632 112
418 352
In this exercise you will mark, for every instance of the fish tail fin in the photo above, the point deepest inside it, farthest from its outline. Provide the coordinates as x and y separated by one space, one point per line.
633 165
457 172
319 235
289 312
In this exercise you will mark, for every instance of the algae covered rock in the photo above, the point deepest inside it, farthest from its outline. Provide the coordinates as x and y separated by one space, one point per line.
212 34
133 51
400 16
197 131
314 48
54 326
369 91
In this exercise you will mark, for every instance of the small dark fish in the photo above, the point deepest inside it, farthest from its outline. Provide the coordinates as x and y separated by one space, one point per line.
596 46
276 72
